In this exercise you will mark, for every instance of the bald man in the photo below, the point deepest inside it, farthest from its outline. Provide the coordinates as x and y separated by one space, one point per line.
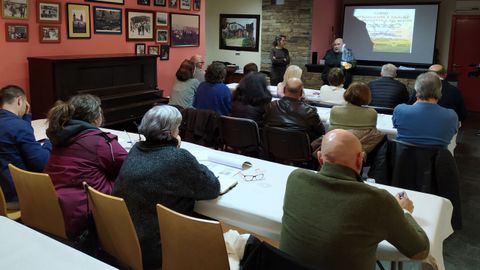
292 112
339 56
451 97
199 73
332 220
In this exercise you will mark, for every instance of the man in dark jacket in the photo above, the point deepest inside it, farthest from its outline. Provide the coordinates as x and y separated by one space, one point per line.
17 141
386 91
293 113
451 97
339 56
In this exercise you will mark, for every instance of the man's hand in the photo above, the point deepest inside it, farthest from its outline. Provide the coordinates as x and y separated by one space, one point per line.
404 201
27 107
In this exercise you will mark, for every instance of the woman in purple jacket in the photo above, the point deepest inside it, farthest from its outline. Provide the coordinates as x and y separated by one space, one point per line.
81 152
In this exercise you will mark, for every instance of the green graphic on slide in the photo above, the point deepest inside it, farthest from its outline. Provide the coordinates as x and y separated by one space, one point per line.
392 45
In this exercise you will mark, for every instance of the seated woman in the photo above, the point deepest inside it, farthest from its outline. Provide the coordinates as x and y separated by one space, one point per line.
250 98
81 152
333 94
185 86
213 94
361 121
158 171
292 71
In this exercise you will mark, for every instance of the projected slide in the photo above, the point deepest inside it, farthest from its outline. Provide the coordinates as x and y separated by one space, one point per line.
390 30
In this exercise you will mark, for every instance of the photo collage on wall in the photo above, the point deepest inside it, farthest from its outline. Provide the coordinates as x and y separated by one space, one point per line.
165 23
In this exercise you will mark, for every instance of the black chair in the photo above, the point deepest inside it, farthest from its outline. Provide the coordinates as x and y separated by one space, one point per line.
200 127
240 135
291 147
382 110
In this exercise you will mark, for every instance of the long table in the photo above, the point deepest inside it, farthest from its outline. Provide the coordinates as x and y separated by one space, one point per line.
257 206
24 248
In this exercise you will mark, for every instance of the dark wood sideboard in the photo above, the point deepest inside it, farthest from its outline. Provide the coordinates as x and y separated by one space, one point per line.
126 83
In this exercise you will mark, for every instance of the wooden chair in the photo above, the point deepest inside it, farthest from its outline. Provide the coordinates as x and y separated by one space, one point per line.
115 229
11 214
38 201
190 243
240 134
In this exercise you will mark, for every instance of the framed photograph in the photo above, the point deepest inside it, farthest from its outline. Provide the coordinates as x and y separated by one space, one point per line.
162 35
154 50
173 3
48 12
49 33
16 32
15 9
164 52
118 2
196 5
78 20
143 2
161 19
139 24
186 4
239 32
160 3
140 48
107 20
184 30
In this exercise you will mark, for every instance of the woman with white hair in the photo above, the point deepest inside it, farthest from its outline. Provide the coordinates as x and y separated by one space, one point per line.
293 71
158 171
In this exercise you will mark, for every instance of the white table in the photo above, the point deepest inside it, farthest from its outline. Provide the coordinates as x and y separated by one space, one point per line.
24 248
258 206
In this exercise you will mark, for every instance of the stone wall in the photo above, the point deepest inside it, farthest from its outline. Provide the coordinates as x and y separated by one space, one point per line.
294 20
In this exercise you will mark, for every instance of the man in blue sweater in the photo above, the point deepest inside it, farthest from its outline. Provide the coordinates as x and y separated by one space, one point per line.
17 142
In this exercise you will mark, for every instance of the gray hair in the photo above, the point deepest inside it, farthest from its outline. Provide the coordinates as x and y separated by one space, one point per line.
428 85
389 70
160 122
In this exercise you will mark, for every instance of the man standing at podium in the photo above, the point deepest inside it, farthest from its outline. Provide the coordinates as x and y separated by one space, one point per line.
339 56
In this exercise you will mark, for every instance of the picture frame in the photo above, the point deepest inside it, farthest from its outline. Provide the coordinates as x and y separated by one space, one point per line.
164 52
184 30
173 3
197 4
49 33
143 2
116 2
78 21
161 19
239 32
16 32
49 12
185 4
160 3
154 50
15 9
139 25
140 48
107 20
161 36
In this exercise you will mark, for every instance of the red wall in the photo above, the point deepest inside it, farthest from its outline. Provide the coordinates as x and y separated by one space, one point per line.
325 24
13 55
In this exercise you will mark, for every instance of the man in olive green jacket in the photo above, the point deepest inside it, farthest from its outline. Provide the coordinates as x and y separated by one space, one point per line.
332 220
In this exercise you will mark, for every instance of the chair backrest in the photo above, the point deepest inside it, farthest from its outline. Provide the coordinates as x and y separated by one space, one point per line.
239 133
38 201
190 243
286 145
382 110
115 228
15 214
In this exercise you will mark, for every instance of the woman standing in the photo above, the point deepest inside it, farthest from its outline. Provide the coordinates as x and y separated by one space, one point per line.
280 60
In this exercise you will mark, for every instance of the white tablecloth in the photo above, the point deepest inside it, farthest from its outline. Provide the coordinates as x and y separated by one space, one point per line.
24 248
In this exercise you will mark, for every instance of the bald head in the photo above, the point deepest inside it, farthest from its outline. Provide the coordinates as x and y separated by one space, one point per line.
197 60
338 44
341 147
294 88
438 69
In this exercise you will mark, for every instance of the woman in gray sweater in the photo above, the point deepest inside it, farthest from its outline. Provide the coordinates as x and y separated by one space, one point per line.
158 171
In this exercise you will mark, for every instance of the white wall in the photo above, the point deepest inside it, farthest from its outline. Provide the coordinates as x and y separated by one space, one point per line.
213 10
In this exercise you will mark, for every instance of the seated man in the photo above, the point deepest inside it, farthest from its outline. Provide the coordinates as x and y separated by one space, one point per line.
332 220
451 97
250 67
199 73
17 142
425 122
386 91
292 112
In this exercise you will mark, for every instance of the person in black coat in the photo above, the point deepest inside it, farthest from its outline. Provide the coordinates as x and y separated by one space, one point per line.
386 91
339 56
280 60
